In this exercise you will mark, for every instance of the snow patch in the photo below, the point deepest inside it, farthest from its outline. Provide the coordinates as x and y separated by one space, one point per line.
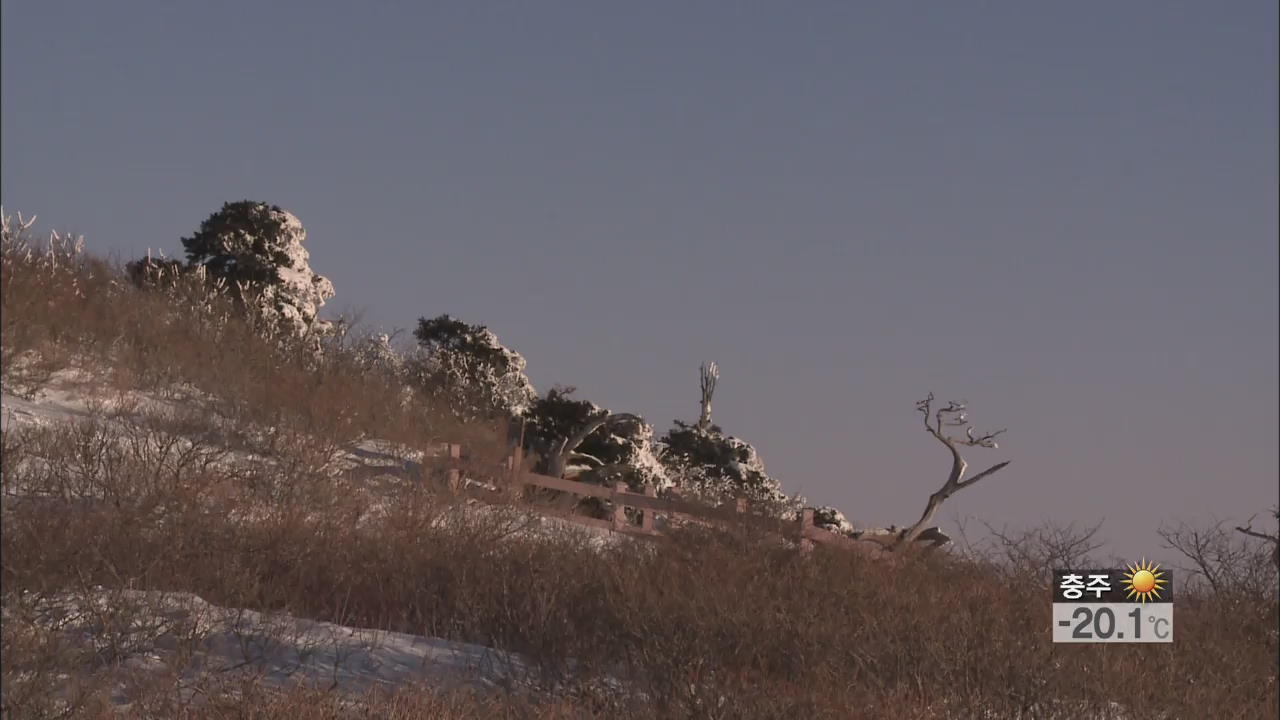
154 631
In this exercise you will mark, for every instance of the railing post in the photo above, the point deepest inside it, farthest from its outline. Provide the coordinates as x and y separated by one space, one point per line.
516 464
454 474
619 510
806 524
515 432
646 518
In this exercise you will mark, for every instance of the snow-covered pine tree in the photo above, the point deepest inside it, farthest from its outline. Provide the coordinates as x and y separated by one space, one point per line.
581 438
256 249
715 467
705 463
464 370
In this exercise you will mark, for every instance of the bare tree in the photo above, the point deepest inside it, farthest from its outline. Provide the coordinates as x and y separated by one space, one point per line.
1042 549
708 375
951 416
1273 538
1227 562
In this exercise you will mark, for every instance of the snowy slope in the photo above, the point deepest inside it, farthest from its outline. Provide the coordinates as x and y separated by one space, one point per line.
220 640
168 632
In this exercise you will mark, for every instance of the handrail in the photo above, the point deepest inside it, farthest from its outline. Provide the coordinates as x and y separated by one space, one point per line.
649 504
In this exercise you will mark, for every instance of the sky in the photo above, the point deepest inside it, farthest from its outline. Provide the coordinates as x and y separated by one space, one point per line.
1063 213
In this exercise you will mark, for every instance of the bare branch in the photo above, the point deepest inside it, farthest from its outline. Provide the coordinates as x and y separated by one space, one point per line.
989 471
1039 550
986 441
1274 539
1254 533
924 407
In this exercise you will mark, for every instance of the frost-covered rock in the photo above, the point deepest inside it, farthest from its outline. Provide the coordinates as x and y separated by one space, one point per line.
257 249
829 518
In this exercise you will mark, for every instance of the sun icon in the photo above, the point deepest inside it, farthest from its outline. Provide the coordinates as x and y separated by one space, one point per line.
1144 580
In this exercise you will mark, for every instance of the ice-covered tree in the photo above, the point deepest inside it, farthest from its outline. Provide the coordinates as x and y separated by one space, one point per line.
717 467
580 437
256 249
465 370
704 462
375 353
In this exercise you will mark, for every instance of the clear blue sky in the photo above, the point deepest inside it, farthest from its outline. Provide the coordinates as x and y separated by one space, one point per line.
1065 213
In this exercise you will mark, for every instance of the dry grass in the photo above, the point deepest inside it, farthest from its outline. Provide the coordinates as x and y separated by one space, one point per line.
701 624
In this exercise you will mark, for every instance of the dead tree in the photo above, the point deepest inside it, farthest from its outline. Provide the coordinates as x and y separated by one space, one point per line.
951 416
1274 539
708 375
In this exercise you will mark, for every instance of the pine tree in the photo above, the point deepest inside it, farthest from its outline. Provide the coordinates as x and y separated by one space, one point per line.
465 370
256 249
604 447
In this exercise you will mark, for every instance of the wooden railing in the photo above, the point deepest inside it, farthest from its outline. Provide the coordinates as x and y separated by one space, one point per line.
649 507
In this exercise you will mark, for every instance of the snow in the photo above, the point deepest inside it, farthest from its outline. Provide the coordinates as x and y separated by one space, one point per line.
162 632
51 408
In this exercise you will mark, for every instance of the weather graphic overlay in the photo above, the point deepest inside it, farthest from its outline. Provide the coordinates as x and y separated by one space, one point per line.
1129 605
1144 581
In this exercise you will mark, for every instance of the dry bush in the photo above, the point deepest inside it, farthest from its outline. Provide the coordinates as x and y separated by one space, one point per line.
703 623
37 280
1222 560
1033 553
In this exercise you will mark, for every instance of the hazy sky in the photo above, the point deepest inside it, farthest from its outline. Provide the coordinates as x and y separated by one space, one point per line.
1065 213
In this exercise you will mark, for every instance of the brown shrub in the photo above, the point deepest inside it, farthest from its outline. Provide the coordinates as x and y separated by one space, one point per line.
699 624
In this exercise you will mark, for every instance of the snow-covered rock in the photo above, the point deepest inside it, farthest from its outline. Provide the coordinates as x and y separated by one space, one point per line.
829 518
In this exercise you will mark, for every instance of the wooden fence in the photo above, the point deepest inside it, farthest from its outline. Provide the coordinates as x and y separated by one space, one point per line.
649 507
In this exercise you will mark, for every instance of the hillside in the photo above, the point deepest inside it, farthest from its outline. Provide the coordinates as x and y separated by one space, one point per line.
200 517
